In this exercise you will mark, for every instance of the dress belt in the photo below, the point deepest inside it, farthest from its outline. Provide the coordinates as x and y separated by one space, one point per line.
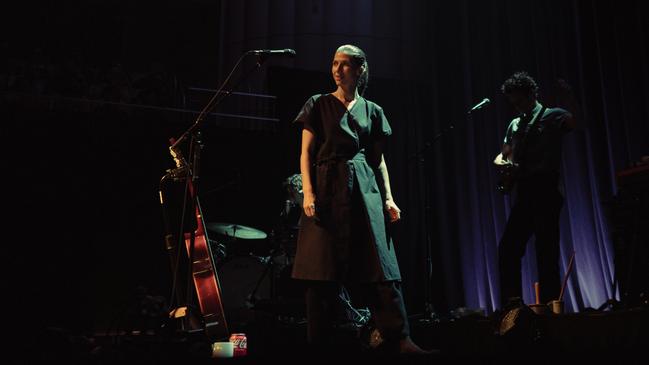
336 159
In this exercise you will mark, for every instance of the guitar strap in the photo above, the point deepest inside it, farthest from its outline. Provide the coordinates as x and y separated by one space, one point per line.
522 145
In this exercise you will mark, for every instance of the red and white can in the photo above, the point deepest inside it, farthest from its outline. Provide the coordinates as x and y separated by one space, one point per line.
239 343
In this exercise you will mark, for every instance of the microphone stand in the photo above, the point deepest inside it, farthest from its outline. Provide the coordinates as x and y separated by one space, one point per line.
189 171
429 313
219 95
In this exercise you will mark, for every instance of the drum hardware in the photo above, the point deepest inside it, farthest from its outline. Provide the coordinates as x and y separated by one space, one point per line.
232 230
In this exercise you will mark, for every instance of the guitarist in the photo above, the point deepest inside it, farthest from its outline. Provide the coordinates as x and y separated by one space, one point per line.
530 159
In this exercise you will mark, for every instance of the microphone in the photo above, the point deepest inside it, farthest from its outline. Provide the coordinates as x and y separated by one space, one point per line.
480 105
270 52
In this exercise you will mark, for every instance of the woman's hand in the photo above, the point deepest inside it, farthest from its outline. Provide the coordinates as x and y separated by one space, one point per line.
393 210
309 204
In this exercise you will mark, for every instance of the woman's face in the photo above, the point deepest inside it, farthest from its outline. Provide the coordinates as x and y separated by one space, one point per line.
345 74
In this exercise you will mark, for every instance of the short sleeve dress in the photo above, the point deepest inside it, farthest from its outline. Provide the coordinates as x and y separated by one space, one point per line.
348 239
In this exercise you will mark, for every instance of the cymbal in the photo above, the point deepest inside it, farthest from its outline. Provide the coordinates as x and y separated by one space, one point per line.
236 231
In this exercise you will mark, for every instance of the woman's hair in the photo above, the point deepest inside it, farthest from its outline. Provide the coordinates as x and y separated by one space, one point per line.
358 60
520 81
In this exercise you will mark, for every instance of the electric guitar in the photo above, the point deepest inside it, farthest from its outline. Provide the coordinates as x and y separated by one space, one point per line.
509 170
508 173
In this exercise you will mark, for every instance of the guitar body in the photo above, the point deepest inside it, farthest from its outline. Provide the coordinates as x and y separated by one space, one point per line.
508 169
507 178
206 282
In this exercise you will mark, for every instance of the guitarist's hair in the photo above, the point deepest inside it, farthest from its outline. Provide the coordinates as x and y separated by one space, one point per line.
520 81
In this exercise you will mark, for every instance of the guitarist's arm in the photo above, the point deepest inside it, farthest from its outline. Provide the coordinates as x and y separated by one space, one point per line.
505 168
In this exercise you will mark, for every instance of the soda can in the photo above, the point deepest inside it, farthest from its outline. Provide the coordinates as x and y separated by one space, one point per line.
239 343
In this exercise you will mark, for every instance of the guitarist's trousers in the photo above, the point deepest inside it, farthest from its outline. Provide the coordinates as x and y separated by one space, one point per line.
535 212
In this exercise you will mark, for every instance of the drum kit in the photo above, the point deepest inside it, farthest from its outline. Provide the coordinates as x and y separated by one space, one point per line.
253 266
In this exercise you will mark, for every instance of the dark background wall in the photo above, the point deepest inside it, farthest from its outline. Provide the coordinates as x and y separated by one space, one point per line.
93 90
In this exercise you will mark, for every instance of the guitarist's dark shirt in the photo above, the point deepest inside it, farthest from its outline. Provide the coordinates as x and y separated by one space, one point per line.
540 152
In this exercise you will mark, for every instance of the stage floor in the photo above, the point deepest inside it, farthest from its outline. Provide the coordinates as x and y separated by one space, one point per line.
591 337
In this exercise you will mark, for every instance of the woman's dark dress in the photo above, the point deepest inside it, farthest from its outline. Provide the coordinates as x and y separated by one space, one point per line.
348 240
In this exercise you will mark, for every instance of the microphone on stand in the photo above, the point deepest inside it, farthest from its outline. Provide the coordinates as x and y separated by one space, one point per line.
480 105
273 52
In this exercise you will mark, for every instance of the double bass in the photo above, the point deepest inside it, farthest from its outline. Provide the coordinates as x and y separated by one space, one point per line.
200 259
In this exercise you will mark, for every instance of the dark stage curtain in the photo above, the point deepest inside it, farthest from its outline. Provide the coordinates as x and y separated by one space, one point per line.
431 61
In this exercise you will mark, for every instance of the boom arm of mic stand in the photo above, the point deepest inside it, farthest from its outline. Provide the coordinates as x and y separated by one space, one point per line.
215 100
431 142
448 128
